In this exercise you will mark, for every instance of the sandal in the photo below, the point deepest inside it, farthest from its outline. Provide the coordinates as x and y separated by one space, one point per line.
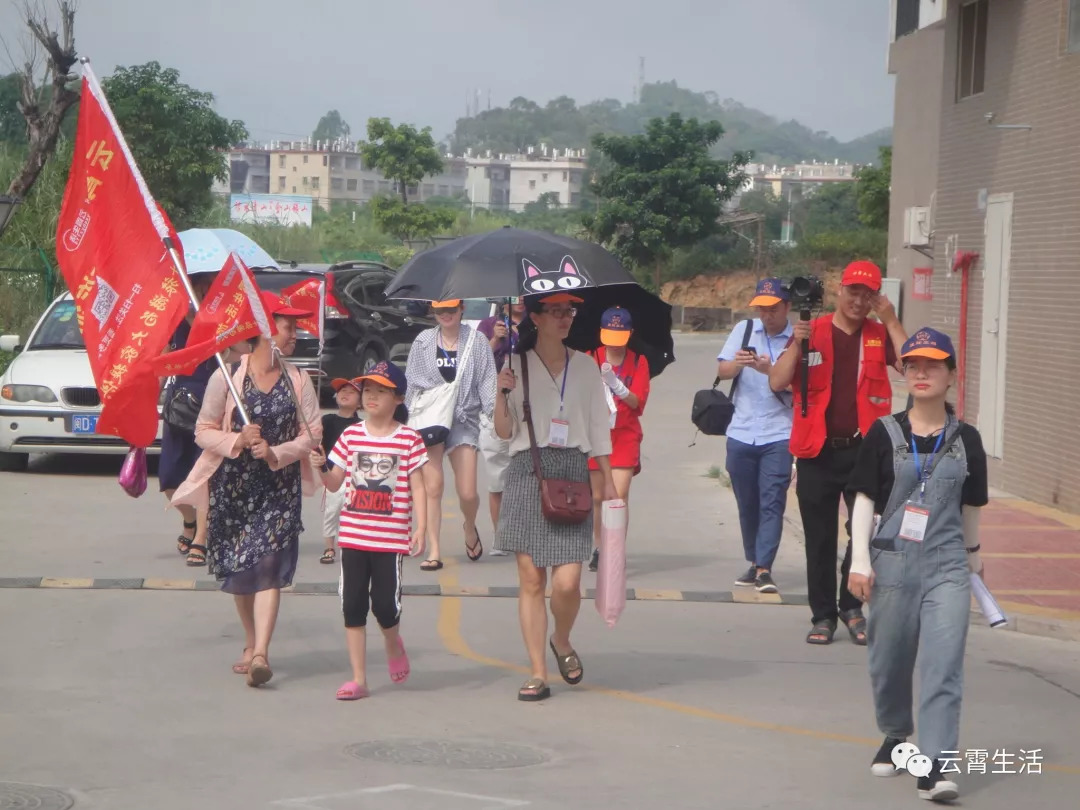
351 690
327 558
533 690
431 565
241 667
856 625
183 544
568 663
822 632
469 549
258 674
196 555
399 665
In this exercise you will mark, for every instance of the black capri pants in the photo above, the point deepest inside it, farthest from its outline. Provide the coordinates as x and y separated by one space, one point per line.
370 577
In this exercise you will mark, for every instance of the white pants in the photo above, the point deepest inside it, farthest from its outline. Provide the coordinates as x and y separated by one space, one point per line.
332 505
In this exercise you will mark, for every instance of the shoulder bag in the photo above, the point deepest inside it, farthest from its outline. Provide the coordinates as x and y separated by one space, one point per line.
181 409
432 412
564 502
712 409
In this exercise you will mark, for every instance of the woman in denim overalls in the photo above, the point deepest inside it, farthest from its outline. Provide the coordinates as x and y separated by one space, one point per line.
924 473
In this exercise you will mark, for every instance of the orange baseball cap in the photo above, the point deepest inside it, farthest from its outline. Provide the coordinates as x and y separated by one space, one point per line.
449 303
561 298
340 382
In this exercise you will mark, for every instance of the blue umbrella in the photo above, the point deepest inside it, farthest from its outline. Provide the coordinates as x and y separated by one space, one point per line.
206 249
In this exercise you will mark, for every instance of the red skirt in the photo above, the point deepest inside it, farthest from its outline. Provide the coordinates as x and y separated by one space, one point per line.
625 451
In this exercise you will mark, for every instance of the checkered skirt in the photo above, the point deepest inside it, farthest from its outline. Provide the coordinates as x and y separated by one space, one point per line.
522 525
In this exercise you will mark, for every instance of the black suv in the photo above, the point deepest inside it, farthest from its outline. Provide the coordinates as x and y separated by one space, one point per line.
369 329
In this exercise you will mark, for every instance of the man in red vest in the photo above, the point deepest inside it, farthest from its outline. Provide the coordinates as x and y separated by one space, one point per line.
848 388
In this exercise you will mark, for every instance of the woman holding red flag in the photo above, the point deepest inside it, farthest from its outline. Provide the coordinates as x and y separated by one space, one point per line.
252 477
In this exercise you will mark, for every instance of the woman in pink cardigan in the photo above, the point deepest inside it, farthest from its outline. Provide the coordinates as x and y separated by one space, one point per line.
252 478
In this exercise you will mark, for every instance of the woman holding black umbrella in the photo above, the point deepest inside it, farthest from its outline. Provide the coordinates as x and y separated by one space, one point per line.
570 420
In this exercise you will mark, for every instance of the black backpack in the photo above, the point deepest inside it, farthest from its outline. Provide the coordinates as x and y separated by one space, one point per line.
712 409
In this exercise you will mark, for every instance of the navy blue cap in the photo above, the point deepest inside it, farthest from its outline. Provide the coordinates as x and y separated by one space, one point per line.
386 373
615 326
930 343
769 291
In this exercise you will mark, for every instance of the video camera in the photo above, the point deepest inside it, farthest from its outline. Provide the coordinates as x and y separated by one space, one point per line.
807 293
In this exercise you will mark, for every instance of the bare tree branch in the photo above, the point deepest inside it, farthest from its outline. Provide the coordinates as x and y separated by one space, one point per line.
44 113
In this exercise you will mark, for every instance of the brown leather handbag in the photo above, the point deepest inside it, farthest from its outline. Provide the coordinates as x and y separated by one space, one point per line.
563 502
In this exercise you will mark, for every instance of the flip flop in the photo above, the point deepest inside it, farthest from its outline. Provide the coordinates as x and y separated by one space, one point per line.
351 690
399 665
431 565
327 558
469 548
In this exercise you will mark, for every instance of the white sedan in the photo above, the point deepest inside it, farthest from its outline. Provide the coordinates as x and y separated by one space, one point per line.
48 400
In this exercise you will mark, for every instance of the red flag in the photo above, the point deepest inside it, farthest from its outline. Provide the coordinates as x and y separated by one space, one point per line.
129 298
231 311
306 295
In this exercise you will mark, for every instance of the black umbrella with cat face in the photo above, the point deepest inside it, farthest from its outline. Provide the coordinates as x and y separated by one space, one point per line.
506 263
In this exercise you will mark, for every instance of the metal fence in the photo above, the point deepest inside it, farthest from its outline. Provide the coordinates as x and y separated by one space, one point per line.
28 284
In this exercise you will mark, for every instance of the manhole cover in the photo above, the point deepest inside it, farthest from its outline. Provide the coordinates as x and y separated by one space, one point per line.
449 754
16 796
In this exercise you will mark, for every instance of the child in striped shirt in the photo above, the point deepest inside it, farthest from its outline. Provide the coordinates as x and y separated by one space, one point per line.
378 461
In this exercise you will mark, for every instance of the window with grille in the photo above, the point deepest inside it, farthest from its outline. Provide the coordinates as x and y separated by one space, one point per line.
971 67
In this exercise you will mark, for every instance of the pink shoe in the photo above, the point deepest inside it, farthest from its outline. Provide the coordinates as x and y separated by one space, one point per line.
399 666
351 690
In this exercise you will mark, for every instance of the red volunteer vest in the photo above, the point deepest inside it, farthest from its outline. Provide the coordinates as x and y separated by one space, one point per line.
874 392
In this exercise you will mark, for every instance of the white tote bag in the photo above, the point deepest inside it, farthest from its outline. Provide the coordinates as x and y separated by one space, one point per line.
432 412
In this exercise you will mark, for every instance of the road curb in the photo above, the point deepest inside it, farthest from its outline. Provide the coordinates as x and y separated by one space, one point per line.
1063 628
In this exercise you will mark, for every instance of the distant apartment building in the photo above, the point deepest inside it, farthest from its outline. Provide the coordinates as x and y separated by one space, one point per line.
799 178
249 173
560 174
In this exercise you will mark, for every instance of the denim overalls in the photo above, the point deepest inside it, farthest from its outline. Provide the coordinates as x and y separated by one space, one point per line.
920 602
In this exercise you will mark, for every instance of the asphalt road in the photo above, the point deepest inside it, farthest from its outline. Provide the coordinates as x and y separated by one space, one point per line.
125 699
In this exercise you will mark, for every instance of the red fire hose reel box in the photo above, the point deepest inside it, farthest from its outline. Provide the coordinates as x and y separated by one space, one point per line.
921 278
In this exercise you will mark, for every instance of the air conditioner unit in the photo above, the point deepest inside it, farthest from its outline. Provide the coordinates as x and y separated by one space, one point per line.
917 226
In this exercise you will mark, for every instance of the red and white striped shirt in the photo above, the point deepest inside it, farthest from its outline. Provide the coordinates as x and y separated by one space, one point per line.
378 500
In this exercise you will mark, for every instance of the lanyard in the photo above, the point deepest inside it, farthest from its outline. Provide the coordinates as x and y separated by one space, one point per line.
920 469
768 343
445 353
566 368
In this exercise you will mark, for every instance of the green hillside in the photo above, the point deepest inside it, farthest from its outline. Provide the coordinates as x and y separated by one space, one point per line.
562 124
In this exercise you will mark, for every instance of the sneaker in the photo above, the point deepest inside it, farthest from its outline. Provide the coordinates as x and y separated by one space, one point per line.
764 583
883 764
749 578
498 552
594 563
936 787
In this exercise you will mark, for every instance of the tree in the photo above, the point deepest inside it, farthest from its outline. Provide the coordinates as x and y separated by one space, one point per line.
661 190
402 154
403 221
179 142
331 127
873 191
43 106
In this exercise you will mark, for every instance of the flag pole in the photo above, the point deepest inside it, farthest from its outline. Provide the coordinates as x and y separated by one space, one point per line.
159 222
322 330
186 281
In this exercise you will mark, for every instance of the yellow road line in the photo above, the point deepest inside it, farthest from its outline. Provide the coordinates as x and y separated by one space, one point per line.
1029 555
449 629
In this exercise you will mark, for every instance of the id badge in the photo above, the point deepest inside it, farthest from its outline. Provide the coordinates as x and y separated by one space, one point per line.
913 526
559 433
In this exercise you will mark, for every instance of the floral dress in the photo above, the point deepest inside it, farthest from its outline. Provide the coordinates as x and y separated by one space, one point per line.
254 521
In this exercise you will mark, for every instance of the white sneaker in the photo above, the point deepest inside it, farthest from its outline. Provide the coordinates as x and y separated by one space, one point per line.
496 552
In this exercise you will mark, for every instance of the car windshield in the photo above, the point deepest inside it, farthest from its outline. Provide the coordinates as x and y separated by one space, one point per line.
59 329
476 309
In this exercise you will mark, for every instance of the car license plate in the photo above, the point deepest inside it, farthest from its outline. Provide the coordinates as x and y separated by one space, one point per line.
84 423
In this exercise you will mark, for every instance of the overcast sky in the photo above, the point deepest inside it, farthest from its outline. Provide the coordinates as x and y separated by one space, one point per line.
278 65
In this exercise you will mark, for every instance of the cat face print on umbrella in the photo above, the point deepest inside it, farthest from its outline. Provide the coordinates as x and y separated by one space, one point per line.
567 277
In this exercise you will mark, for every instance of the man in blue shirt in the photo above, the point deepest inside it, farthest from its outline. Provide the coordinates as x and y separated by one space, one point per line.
758 456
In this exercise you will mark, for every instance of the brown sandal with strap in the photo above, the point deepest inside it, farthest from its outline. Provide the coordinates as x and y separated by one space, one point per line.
534 690
568 663
258 674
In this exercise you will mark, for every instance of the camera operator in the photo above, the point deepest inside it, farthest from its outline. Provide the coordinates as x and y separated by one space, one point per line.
847 388
758 458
